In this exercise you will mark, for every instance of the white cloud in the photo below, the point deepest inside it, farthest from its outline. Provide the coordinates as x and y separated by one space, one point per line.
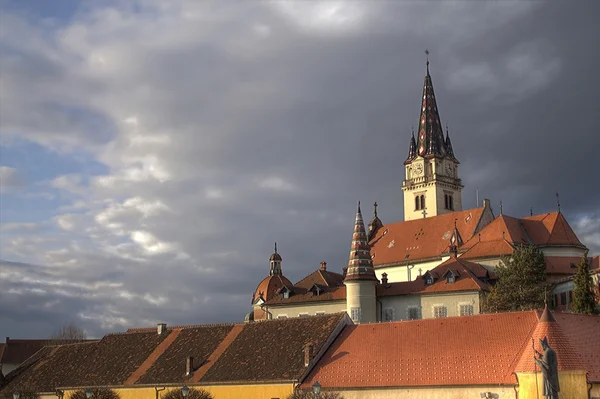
276 184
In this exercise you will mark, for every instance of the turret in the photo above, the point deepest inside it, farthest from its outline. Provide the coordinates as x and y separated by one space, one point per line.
360 279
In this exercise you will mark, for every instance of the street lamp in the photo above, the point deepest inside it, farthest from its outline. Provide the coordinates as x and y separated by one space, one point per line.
185 391
16 395
60 394
89 393
316 389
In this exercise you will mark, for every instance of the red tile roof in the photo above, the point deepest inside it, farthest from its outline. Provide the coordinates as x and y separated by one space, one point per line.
550 229
488 249
418 239
568 358
269 286
475 350
584 333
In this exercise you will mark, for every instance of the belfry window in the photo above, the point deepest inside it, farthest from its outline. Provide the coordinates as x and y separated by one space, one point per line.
422 202
448 202
417 203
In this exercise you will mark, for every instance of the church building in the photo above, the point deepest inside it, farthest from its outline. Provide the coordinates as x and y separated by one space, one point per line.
438 262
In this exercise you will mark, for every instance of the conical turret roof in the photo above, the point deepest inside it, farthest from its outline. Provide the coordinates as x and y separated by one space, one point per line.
412 149
360 265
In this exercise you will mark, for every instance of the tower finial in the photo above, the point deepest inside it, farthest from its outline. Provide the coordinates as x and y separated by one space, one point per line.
275 246
427 55
375 209
359 207
558 202
531 211
500 207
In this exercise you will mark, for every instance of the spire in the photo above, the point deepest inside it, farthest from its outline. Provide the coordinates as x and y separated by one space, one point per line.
455 240
375 223
275 263
412 149
430 141
360 265
448 143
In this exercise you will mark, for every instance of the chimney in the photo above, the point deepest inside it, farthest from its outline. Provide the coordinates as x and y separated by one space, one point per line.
189 365
486 203
344 271
161 328
384 278
308 353
323 265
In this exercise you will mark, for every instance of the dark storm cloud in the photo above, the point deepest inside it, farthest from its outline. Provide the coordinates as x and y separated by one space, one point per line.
272 130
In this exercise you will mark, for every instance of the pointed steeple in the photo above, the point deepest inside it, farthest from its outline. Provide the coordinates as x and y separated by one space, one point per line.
455 240
430 141
449 149
412 149
360 265
375 223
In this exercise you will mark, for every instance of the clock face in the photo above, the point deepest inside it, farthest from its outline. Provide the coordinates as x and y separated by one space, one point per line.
449 170
418 169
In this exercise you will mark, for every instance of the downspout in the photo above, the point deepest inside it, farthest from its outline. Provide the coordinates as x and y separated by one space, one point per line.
380 309
157 390
515 387
590 385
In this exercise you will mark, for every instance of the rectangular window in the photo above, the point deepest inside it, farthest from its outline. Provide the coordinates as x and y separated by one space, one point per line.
440 311
303 315
563 298
466 310
282 316
570 296
320 313
388 314
413 313
355 314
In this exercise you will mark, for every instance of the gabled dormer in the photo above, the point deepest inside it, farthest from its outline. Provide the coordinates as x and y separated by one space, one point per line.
451 276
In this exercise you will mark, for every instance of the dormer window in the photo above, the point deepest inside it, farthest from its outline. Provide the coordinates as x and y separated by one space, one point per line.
450 278
285 292
429 280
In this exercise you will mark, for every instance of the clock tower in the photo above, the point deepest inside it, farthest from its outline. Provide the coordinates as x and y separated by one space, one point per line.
432 186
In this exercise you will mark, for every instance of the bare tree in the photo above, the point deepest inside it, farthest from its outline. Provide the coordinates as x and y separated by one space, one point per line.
194 393
97 393
308 394
70 332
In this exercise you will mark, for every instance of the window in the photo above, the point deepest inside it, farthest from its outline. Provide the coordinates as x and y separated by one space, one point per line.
285 292
570 296
422 202
450 278
429 280
282 316
413 313
563 298
319 313
417 203
440 311
355 314
303 315
466 310
388 314
450 202
445 201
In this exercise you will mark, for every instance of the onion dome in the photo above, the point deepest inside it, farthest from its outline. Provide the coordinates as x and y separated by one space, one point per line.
275 255
360 264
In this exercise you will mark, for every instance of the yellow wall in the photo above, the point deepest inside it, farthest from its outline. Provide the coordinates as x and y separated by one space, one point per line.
258 391
452 301
573 385
500 392
308 307
595 392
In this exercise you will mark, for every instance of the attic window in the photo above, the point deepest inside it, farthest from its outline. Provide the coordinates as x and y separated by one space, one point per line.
407 255
429 280
285 292
573 266
450 279
373 255
385 231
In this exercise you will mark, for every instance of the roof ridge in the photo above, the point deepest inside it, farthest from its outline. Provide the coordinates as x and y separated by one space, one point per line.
176 327
305 277
323 277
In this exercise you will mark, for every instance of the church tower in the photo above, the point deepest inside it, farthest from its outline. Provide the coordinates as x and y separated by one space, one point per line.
360 279
432 186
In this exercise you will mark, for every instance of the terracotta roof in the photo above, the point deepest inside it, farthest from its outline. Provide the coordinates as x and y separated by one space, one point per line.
480 349
418 239
269 286
568 358
562 264
199 342
469 276
595 262
550 229
583 332
273 350
330 294
488 249
320 277
18 350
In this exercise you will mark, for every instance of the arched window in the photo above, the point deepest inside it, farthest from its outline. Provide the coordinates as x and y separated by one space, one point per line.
450 202
446 201
422 202
417 203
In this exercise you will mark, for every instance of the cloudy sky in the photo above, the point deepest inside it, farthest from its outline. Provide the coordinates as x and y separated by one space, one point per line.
152 151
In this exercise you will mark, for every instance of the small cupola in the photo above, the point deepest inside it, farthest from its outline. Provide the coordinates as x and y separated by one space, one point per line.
275 263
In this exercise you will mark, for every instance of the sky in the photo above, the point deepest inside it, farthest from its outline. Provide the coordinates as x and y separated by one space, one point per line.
152 152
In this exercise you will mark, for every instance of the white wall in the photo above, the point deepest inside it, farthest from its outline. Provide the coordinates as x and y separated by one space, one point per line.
310 308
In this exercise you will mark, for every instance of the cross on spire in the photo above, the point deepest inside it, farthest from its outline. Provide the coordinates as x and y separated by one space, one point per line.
424 213
427 55
375 208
